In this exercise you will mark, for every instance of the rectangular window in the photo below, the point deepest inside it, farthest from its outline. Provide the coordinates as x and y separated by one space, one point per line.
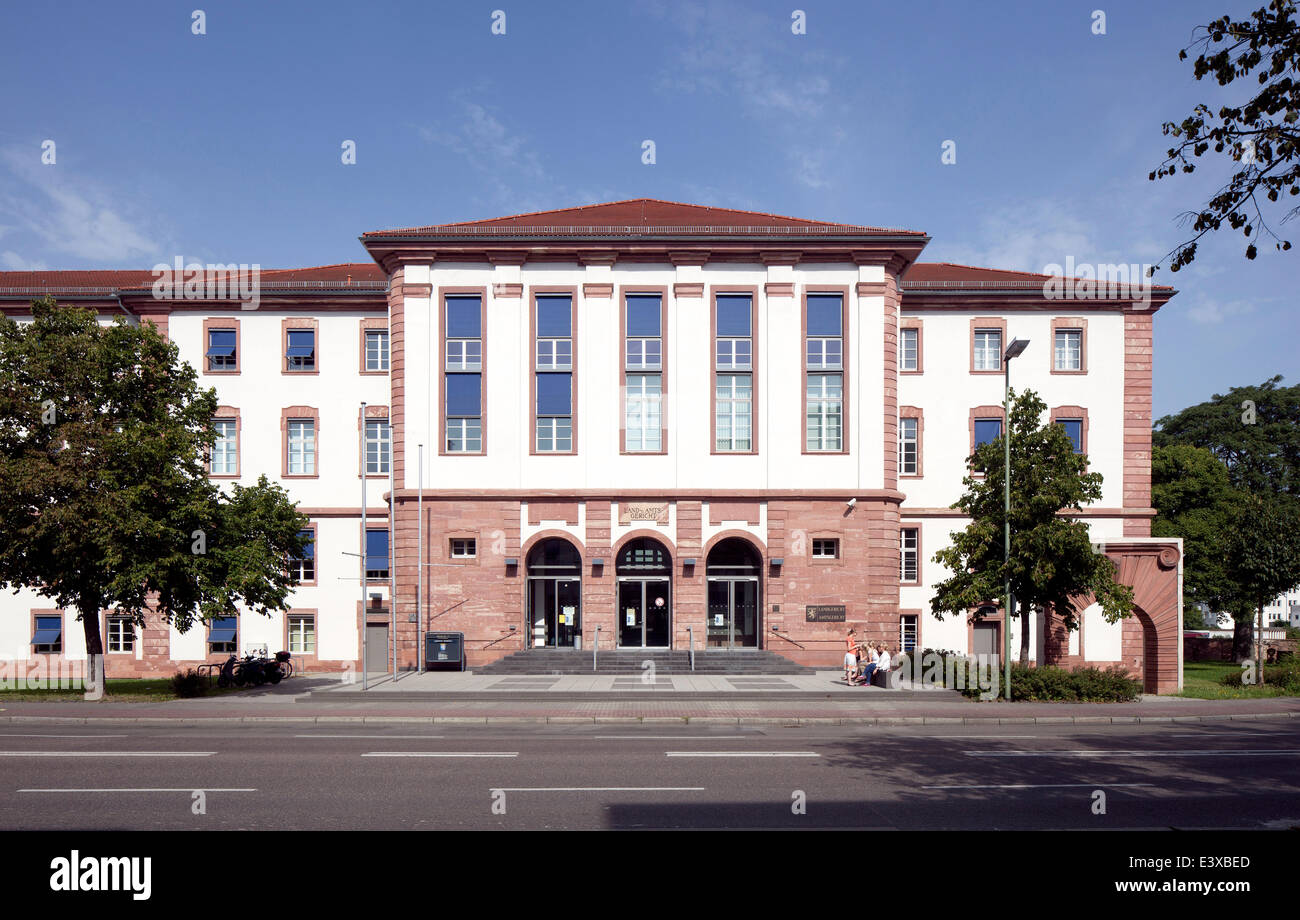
909 351
222 635
986 430
907 632
554 407
376 350
121 634
221 350
1069 349
733 422
825 412
1074 428
988 349
909 568
825 330
303 566
464 413
733 393
302 634
644 423
908 447
377 553
302 447
225 450
826 549
644 328
462 548
378 443
301 353
47 639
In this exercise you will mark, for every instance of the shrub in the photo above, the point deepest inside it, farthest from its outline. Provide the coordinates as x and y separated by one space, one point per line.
1285 676
1082 685
189 683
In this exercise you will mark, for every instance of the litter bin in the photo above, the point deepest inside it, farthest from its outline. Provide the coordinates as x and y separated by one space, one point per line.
444 651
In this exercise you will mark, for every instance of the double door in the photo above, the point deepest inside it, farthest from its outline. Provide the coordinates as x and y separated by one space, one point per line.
644 613
732 613
555 611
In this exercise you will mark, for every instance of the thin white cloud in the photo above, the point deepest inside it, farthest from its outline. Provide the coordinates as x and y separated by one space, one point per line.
13 262
1210 312
54 209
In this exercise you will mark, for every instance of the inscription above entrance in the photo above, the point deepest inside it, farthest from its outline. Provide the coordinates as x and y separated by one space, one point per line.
629 512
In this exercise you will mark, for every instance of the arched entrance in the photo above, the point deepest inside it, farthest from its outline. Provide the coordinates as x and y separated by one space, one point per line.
733 571
644 570
554 576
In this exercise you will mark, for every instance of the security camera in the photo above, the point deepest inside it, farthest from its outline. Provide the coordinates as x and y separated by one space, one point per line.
852 502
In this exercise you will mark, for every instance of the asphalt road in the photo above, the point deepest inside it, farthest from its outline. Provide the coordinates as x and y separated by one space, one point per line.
312 776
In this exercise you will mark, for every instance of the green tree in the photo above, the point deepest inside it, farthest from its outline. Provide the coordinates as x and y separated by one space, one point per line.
1053 562
1262 137
105 501
1263 555
1195 500
1254 432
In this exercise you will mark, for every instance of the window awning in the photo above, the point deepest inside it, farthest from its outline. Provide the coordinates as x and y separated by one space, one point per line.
221 635
221 343
300 351
47 636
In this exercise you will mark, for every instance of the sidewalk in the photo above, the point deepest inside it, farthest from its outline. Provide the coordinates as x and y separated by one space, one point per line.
416 701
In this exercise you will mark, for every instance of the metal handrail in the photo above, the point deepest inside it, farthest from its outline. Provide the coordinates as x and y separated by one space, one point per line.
690 630
787 639
595 646
639 229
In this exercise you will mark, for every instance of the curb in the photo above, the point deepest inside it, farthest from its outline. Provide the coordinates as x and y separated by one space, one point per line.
788 721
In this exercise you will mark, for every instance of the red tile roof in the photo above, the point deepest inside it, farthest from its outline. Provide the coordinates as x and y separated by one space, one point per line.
939 275
643 214
341 274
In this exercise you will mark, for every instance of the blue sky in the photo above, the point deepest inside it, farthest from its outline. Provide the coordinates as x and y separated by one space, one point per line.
226 146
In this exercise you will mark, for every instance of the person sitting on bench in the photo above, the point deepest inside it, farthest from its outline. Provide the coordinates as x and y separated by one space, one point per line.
868 667
881 666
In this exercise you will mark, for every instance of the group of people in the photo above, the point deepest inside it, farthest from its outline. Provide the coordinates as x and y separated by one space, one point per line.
862 661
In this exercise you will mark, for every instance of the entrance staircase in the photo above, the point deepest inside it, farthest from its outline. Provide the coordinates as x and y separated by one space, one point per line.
632 661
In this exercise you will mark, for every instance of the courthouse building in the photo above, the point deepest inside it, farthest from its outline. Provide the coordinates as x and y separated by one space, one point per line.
661 424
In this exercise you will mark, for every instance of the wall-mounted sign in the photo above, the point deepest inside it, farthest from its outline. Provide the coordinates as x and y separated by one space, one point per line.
825 613
643 511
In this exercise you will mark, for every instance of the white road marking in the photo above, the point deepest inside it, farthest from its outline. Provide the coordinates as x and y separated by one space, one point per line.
596 789
187 789
442 754
1050 786
107 753
742 754
9 735
384 737
981 737
1261 753
661 738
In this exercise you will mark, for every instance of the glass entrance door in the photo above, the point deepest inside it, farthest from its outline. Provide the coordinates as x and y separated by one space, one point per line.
732 613
644 613
555 611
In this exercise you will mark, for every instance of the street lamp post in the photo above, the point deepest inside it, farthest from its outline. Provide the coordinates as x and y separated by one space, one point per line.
1014 349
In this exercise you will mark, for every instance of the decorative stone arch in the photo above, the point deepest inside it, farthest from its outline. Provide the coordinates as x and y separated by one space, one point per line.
1151 639
717 538
642 533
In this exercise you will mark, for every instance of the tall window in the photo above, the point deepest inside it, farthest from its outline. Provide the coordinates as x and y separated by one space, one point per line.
121 634
554 369
825 391
1069 349
1074 428
376 350
47 639
303 566
908 446
734 365
378 442
907 631
463 380
909 349
225 450
643 392
221 350
909 560
302 447
986 430
377 553
302 634
301 353
988 349
223 634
